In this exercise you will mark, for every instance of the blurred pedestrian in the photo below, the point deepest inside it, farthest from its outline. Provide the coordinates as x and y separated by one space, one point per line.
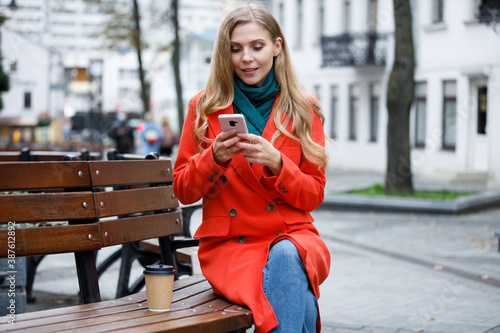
152 135
123 134
170 138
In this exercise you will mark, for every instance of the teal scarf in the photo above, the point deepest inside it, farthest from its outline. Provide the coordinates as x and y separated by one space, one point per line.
255 103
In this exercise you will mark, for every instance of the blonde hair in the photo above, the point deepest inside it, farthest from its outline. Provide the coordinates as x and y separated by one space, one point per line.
293 103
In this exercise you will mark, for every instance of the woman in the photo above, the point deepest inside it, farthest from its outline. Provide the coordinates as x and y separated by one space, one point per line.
258 246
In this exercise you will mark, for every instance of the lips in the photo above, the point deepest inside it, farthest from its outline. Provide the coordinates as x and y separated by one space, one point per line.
249 70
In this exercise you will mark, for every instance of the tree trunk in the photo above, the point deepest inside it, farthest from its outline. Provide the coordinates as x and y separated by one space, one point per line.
138 46
400 92
176 65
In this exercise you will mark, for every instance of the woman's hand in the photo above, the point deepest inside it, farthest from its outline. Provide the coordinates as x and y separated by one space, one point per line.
224 147
258 150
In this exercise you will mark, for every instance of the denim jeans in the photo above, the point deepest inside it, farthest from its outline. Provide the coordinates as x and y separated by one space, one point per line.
287 289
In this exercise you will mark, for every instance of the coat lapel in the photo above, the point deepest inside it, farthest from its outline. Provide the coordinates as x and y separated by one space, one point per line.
238 163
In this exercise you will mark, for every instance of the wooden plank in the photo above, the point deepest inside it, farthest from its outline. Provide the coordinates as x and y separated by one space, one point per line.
136 320
43 175
9 156
118 173
203 321
46 207
125 202
51 240
137 228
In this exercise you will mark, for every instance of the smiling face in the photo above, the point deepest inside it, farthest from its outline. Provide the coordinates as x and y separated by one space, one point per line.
252 52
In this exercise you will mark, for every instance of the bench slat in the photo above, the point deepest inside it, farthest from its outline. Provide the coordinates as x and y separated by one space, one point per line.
47 207
137 200
43 175
132 229
106 173
52 239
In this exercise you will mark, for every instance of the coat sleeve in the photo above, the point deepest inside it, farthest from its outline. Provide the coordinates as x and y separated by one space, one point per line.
194 173
303 185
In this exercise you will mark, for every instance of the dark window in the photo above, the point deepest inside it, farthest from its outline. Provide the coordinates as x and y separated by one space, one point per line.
420 113
27 100
333 112
437 11
374 110
482 108
300 22
353 111
449 115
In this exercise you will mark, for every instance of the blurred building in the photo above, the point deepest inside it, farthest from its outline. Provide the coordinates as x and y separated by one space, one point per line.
80 78
343 53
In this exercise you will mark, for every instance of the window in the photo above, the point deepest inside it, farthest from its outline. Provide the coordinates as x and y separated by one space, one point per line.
482 108
299 24
321 19
353 110
437 11
317 92
374 110
372 15
420 113
449 115
27 100
13 66
346 16
333 111
281 15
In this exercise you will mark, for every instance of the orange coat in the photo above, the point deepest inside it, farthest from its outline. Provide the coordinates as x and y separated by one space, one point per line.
246 209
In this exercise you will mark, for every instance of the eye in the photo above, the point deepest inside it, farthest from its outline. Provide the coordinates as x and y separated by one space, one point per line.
235 49
258 48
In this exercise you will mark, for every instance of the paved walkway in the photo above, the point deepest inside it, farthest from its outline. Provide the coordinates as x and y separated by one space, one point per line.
391 272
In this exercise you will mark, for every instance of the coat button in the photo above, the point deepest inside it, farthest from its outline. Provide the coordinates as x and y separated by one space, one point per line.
270 207
233 212
223 178
242 239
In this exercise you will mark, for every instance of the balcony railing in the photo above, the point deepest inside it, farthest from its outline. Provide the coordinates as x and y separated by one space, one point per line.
359 49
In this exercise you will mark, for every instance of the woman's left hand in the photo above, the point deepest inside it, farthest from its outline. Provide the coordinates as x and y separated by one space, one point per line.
258 150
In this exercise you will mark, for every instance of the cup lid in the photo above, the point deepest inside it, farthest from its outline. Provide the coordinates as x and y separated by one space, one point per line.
159 269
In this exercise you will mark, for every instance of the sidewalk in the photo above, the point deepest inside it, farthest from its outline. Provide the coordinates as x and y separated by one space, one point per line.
391 271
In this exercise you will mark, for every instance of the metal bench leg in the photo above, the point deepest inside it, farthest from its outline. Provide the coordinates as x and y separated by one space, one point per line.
87 277
32 263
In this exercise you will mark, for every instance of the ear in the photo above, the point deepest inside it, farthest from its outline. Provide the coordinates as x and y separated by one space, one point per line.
277 46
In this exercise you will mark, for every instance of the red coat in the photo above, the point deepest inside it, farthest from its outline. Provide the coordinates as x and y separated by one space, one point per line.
246 209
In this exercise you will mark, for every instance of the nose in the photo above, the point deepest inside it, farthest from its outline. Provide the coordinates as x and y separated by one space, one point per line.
247 57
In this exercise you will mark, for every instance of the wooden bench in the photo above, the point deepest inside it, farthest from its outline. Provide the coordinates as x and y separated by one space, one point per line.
146 252
26 155
85 200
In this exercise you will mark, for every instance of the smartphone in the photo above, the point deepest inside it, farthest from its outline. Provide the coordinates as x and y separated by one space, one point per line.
233 121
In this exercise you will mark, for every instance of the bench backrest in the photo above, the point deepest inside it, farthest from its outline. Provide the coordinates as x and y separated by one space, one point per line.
87 196
94 204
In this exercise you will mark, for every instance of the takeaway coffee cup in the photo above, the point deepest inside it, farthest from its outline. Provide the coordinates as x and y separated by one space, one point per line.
159 286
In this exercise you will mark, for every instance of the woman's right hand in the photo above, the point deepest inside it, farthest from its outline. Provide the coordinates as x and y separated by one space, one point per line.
224 147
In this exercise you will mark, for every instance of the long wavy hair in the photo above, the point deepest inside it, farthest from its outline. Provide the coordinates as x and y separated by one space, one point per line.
293 104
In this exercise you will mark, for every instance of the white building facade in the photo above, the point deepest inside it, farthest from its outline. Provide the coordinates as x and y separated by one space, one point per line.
457 98
84 76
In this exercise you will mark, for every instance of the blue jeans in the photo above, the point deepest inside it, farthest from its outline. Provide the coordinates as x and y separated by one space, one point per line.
287 289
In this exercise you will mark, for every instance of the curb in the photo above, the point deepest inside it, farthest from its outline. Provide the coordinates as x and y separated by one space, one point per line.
460 205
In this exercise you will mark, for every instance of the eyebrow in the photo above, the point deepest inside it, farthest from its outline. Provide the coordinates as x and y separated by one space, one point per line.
258 40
